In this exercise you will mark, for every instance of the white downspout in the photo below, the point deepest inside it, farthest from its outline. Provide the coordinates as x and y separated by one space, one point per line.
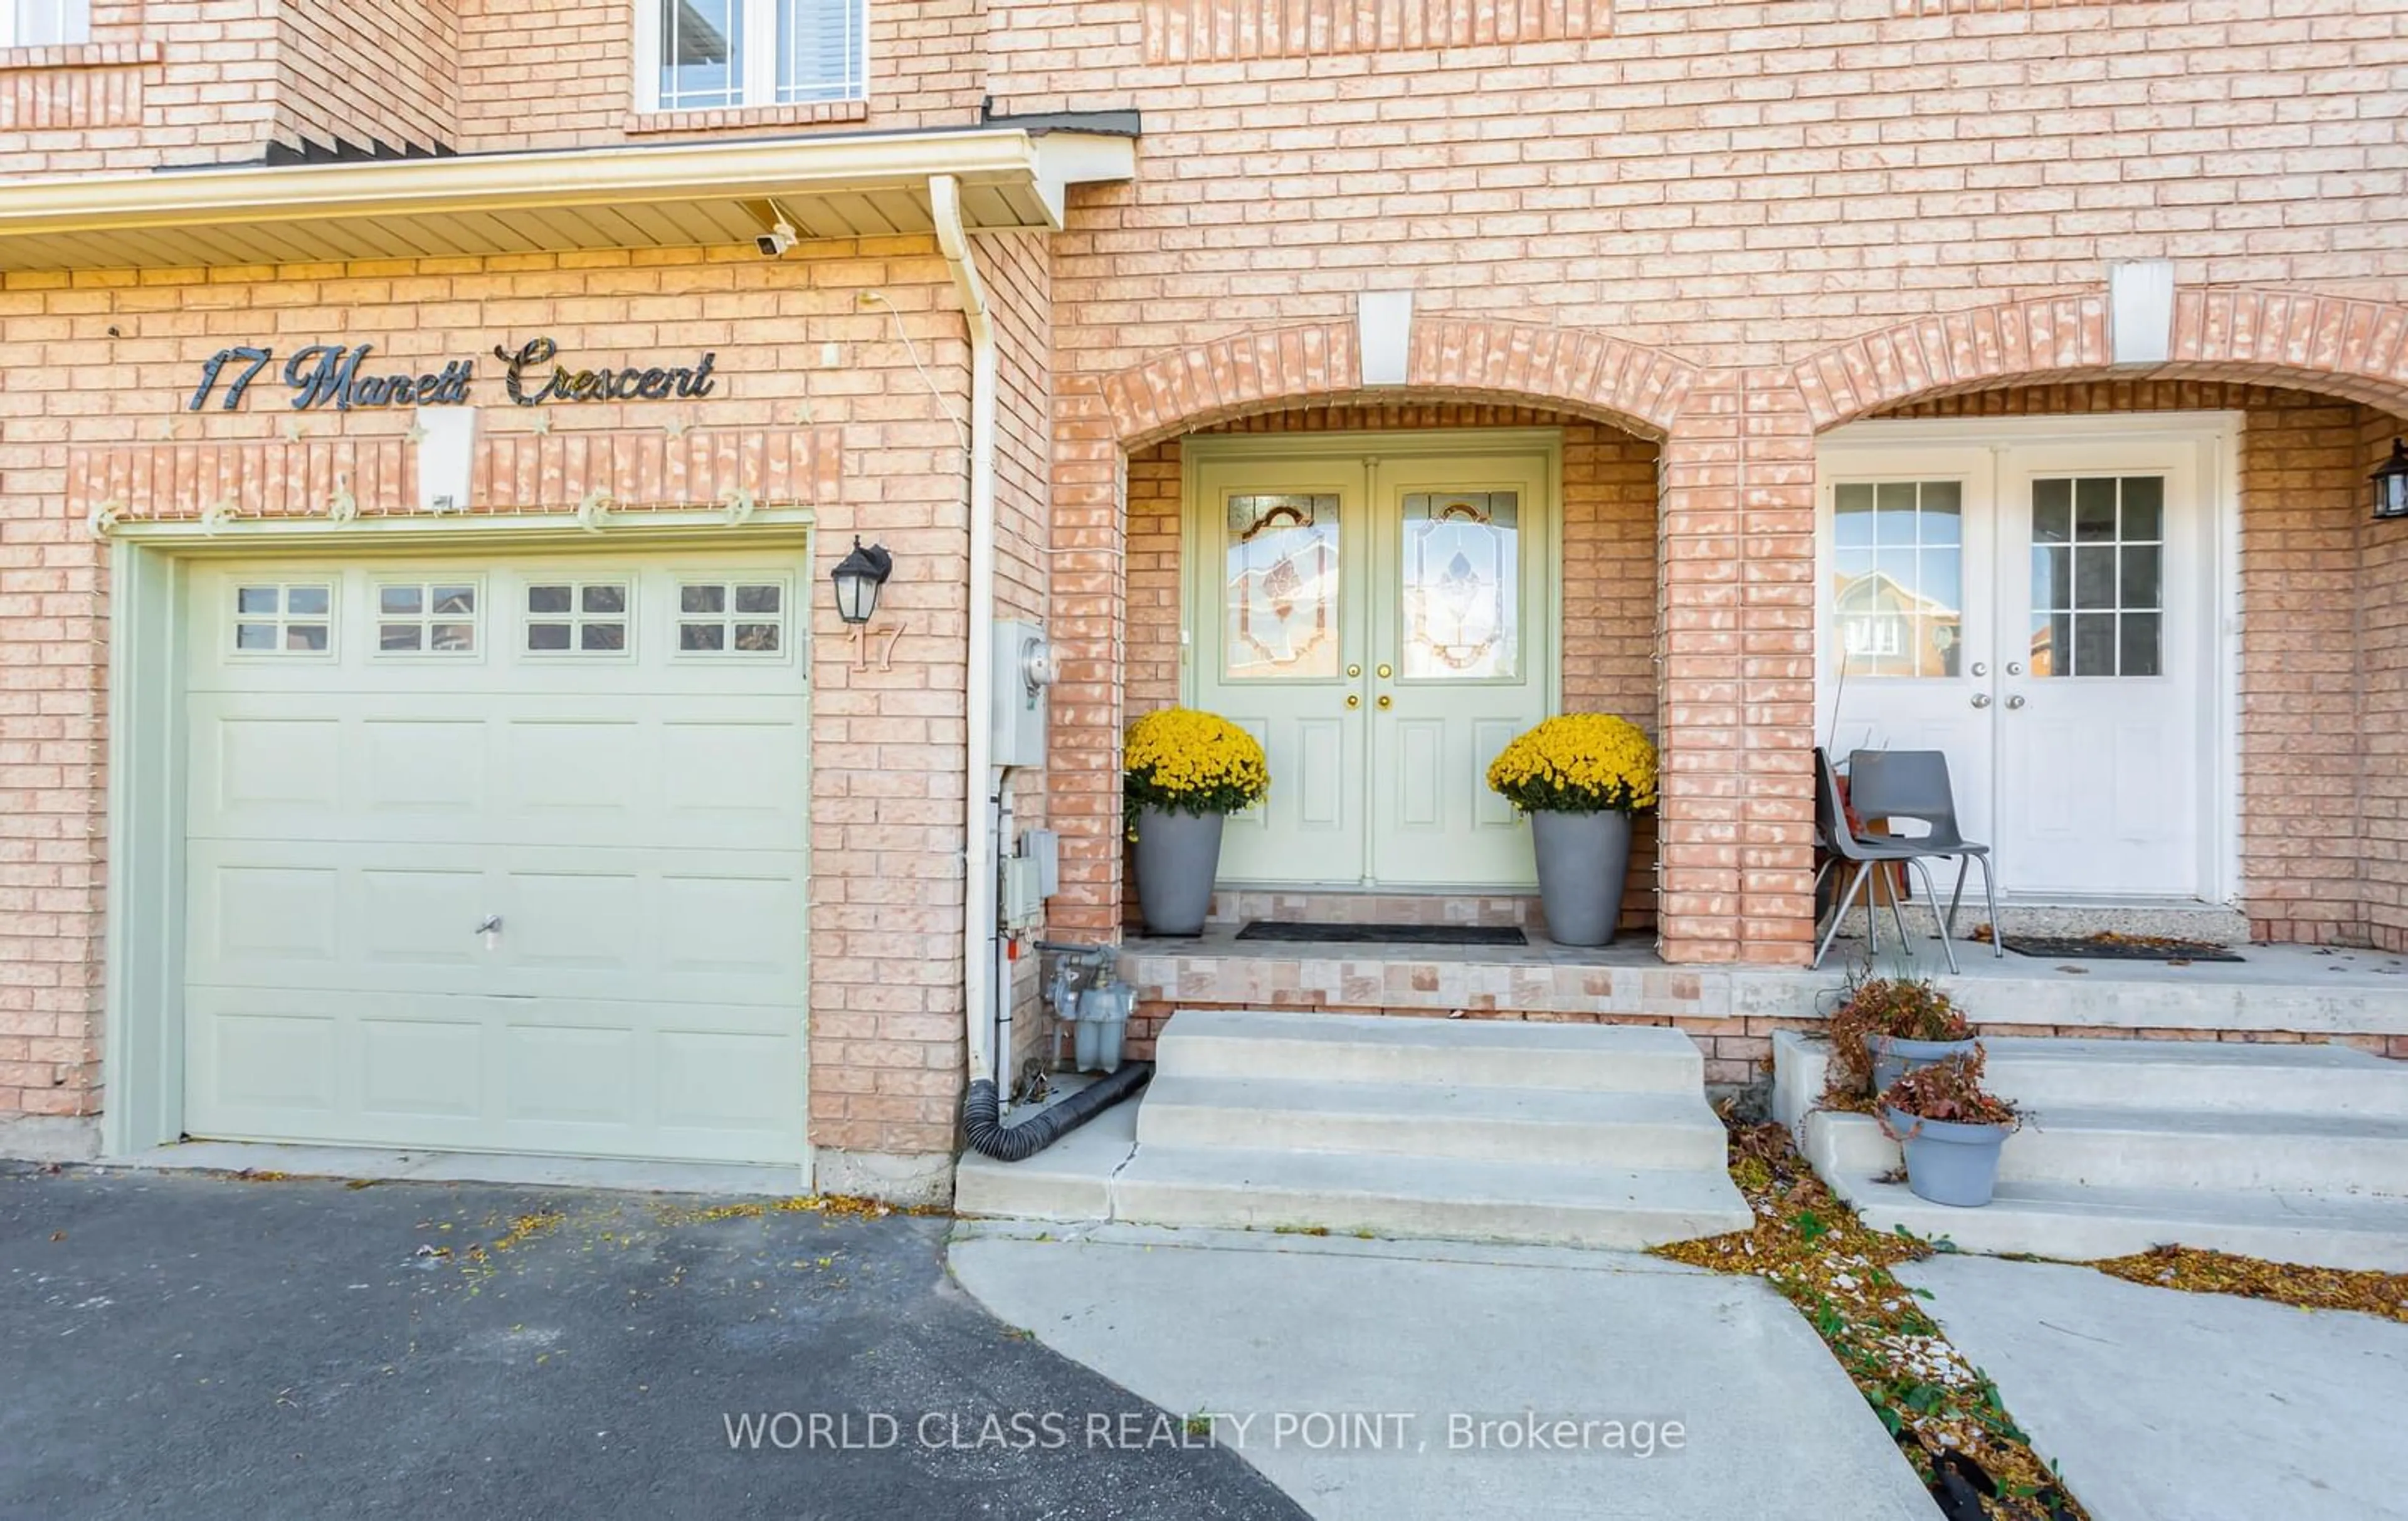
978 909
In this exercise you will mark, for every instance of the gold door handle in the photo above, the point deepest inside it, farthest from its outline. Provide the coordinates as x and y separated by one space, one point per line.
1353 699
1354 670
1385 671
1386 702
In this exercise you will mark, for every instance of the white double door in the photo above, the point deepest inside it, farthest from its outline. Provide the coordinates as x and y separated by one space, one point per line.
2041 608
1379 615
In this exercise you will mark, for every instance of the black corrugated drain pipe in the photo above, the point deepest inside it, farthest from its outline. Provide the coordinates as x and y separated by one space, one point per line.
983 1115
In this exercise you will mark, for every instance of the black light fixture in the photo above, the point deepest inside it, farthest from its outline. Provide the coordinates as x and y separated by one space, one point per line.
2390 483
857 577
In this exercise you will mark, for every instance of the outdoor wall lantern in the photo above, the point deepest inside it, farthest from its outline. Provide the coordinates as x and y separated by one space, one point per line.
2390 483
858 578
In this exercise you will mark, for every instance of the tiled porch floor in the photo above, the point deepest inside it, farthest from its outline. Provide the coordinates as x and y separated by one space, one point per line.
2296 988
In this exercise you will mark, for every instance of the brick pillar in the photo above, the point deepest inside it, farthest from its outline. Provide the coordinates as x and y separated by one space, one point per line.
1736 824
1090 581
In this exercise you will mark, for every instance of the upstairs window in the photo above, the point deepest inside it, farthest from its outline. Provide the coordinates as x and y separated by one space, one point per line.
45 24
733 54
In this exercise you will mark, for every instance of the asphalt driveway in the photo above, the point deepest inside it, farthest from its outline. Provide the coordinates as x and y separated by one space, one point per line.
203 1346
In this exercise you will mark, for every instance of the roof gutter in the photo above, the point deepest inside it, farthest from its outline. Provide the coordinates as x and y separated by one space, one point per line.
251 194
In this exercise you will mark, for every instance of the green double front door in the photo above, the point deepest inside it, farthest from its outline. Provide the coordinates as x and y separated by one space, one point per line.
1379 610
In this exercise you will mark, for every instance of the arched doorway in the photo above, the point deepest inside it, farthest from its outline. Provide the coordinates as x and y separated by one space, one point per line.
1537 448
2200 712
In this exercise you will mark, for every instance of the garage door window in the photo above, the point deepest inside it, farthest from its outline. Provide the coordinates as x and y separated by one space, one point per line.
576 618
281 618
435 617
732 617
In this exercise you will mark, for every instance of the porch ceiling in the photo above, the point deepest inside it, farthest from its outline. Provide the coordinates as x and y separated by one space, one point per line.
668 195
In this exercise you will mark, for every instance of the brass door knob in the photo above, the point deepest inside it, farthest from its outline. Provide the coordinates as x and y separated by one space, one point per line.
1385 671
1386 702
1353 699
1354 670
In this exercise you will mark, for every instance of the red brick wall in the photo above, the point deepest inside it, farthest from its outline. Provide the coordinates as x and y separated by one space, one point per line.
886 1031
410 96
1819 210
925 63
2382 663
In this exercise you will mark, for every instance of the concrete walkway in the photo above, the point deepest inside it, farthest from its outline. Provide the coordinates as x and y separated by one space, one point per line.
1393 1380
2165 1406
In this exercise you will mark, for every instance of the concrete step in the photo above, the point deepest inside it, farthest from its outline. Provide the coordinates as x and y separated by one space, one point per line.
2159 1149
1069 1180
2220 1076
1606 1129
2293 1152
2193 1075
2081 1223
1545 1203
1375 1048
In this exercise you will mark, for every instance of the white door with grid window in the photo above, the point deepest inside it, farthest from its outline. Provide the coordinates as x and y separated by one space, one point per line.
2042 611
498 854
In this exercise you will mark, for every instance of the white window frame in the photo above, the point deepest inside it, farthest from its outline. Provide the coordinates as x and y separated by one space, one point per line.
728 618
426 618
576 618
284 618
760 58
74 19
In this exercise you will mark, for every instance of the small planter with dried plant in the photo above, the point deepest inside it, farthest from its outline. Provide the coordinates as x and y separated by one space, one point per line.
1885 1028
1952 1128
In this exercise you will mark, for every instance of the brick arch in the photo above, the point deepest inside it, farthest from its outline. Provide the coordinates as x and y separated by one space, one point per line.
1451 359
2339 346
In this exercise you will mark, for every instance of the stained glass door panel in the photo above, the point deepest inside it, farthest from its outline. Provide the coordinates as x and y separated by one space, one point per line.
1460 581
1462 648
1280 554
1282 578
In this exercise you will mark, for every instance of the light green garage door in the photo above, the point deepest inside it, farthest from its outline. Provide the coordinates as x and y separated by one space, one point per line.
499 854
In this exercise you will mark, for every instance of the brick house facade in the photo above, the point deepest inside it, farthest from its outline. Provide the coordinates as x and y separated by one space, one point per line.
1693 239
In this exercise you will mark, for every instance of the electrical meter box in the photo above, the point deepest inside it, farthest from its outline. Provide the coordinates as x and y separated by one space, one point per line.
1024 673
1020 897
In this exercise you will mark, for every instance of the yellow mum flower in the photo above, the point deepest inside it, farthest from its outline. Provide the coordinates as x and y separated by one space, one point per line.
1190 762
1577 762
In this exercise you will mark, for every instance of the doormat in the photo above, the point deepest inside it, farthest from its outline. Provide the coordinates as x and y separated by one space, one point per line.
2113 947
1290 929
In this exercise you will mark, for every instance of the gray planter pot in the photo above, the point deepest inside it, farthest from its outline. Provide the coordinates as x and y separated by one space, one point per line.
1583 859
1894 1057
1948 1163
1177 855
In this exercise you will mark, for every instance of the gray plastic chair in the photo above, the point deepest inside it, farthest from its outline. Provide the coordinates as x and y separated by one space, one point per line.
1865 852
1913 784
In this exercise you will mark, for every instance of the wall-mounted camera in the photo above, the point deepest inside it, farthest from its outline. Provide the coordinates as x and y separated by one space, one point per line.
774 243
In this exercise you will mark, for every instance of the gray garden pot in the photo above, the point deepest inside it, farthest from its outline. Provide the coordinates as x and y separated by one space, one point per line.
1949 1163
1177 855
1583 859
1894 1057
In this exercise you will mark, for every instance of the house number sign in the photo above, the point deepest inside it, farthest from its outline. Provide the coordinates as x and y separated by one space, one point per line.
337 375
